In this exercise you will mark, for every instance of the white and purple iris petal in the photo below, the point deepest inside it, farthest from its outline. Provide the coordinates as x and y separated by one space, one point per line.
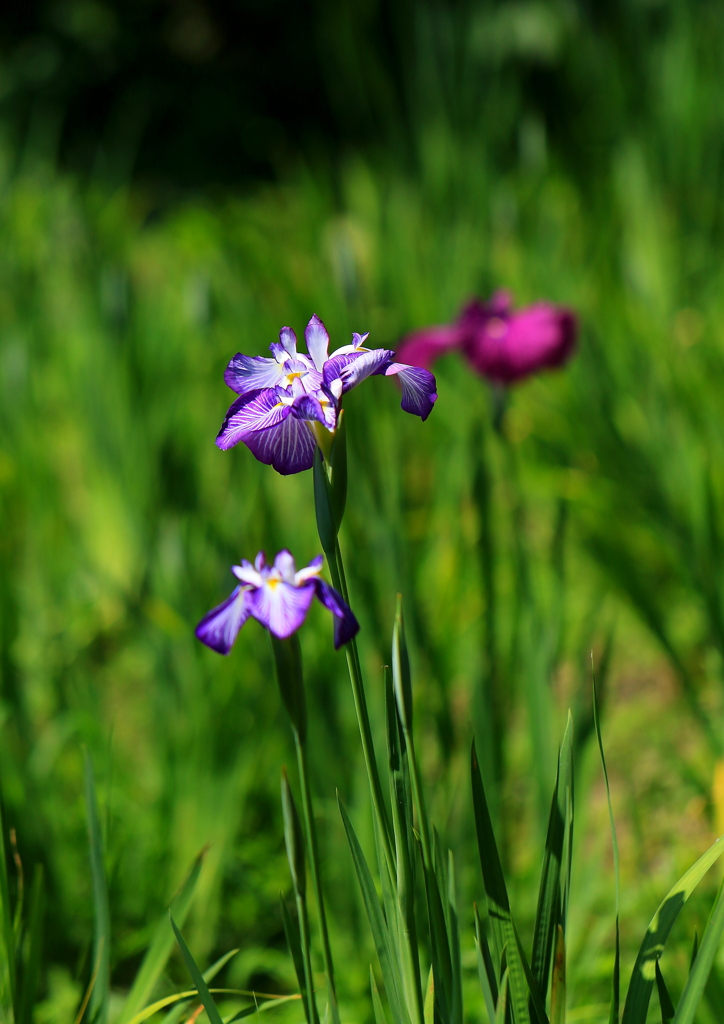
281 399
277 596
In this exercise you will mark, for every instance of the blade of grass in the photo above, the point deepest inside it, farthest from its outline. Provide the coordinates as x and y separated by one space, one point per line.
291 930
378 924
558 979
486 971
667 1007
644 971
699 973
503 931
549 912
175 1015
196 976
102 921
376 1001
161 945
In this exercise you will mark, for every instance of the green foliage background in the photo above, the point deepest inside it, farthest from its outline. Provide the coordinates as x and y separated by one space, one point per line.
119 518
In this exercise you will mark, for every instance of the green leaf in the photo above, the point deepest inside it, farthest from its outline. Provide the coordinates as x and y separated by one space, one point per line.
376 1001
294 942
293 838
161 945
667 1007
175 1015
644 971
326 525
196 976
102 922
558 979
401 678
378 924
501 1010
486 971
699 973
550 910
503 931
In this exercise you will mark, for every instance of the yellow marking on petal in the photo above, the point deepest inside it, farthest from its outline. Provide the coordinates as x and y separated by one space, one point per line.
273 583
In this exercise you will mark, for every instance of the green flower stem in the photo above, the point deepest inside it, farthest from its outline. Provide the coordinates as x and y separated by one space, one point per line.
308 813
339 580
306 955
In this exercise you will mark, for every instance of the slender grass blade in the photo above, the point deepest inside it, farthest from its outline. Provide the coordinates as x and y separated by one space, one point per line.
376 1001
503 931
34 948
550 909
667 1007
699 974
196 976
644 971
378 924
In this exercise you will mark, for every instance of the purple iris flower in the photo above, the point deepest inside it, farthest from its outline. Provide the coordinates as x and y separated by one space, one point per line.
502 344
287 404
277 596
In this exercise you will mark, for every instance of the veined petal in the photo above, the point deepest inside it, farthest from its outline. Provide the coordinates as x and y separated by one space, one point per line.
220 628
345 623
246 573
280 607
309 571
249 413
285 564
288 340
245 374
260 561
366 364
308 407
288 446
317 339
418 388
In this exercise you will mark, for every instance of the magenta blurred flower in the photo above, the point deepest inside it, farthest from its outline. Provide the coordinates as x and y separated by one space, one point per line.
279 596
501 344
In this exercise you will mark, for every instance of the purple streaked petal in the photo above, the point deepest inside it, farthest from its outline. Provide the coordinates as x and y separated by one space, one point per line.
308 407
317 339
245 374
246 573
250 413
288 340
309 571
286 565
220 628
280 607
419 392
366 364
359 339
260 561
345 624
288 446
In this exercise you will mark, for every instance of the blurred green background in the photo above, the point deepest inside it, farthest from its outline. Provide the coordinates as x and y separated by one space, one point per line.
178 180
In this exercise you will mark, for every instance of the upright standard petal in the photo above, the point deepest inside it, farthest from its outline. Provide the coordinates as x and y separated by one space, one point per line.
317 340
257 411
220 628
280 607
245 374
419 392
345 623
288 340
288 447
286 566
